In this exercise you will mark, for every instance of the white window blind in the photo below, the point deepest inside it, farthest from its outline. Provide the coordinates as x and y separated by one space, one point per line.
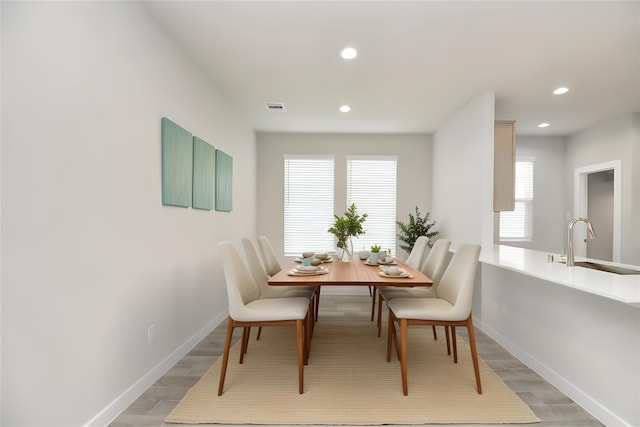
517 224
308 204
371 185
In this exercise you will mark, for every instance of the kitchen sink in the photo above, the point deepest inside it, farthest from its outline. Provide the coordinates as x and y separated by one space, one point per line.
605 267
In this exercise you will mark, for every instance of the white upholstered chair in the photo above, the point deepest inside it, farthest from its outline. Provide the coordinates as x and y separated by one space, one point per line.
247 309
260 276
271 263
272 266
414 260
451 307
254 264
433 267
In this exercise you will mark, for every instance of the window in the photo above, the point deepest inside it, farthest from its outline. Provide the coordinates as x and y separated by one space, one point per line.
308 204
371 185
516 226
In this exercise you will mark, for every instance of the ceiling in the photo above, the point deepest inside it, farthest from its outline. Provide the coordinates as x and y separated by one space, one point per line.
418 61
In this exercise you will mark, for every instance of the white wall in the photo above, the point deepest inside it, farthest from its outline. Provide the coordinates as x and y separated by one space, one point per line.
616 139
91 258
463 173
414 172
549 232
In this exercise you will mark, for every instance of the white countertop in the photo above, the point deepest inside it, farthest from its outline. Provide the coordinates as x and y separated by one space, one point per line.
618 287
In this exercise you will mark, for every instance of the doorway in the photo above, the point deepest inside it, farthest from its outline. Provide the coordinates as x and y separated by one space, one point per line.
597 197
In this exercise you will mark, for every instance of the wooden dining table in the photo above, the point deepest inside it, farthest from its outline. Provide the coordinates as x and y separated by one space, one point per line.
356 272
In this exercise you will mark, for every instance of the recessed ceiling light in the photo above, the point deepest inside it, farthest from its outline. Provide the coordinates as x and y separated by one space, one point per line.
544 125
560 91
348 53
345 108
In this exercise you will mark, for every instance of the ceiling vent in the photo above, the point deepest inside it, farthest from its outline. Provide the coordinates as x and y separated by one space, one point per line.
275 106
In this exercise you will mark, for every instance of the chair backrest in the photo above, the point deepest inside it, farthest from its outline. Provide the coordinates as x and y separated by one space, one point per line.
437 260
271 263
417 253
254 264
241 288
456 285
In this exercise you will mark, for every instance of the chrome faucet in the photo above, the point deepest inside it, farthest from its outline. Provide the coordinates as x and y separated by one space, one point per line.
592 235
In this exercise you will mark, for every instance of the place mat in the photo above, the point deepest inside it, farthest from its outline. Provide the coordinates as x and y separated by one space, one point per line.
349 381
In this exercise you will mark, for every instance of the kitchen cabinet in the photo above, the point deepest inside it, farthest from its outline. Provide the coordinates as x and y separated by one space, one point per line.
504 165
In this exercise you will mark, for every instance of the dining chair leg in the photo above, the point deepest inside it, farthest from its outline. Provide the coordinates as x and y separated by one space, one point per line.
455 344
301 354
246 332
317 303
394 334
403 355
373 301
312 317
435 334
308 329
390 331
446 333
379 312
474 353
259 332
225 357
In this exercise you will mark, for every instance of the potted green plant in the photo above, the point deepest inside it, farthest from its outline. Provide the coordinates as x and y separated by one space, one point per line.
375 254
416 227
344 228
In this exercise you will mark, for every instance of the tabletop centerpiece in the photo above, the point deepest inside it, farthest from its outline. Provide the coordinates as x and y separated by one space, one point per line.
346 227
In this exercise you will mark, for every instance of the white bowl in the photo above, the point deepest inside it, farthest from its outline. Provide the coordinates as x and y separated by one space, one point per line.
393 271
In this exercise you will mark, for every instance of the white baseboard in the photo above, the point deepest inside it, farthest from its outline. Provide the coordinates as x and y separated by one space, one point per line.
122 402
595 408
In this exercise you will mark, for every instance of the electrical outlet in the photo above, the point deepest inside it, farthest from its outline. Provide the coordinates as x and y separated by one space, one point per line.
151 334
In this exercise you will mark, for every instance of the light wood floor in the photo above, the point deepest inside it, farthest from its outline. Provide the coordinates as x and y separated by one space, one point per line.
549 404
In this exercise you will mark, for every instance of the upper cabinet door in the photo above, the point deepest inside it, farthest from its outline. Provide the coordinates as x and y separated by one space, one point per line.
504 166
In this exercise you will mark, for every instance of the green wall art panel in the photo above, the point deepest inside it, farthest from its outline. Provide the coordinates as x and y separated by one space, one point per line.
204 161
224 175
177 164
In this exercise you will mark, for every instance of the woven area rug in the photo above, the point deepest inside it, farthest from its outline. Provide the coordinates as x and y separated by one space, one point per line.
348 381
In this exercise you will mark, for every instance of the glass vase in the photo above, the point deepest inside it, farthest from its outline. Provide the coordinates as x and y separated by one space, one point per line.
346 252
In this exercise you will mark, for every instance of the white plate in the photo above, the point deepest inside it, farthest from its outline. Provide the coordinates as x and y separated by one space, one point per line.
308 268
305 270
401 270
403 275
296 272
381 263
